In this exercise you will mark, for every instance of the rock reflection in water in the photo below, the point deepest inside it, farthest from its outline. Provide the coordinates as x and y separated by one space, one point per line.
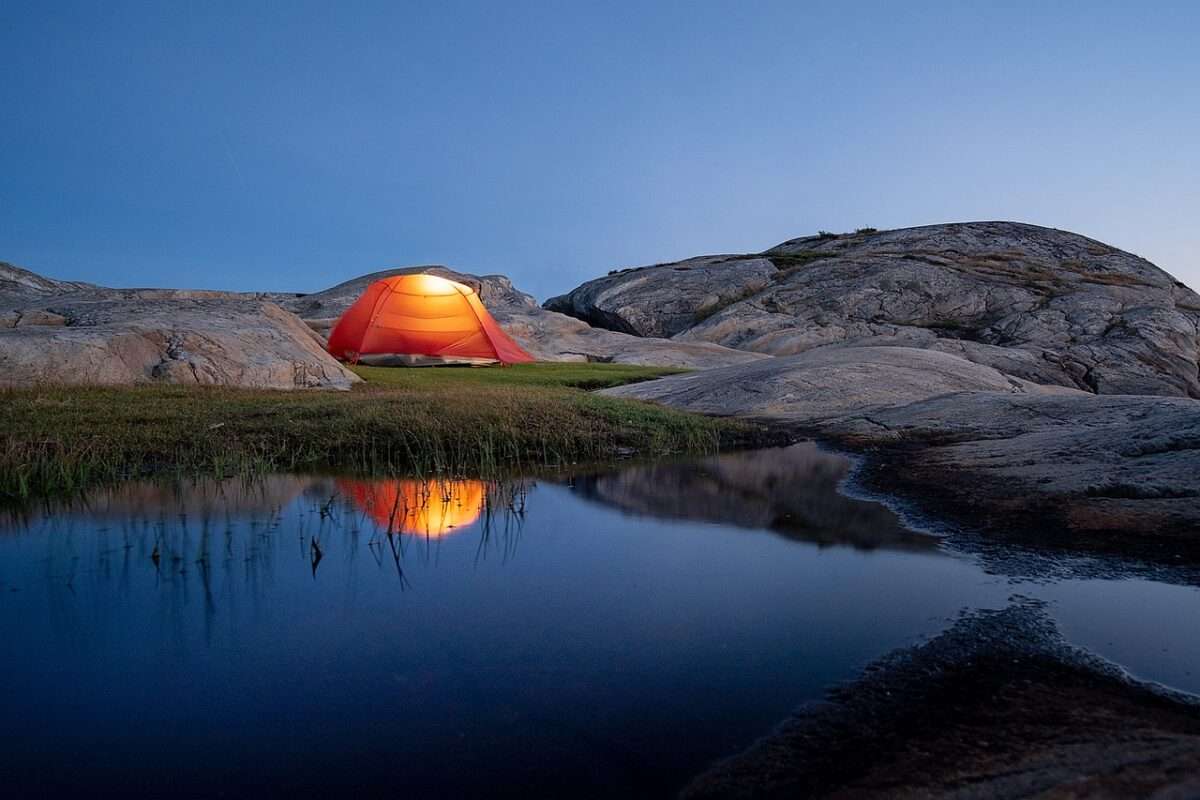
180 500
790 490
241 531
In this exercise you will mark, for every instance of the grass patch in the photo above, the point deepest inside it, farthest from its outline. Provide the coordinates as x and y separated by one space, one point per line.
575 376
449 421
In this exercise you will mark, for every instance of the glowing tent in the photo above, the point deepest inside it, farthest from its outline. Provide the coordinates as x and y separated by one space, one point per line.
417 320
431 508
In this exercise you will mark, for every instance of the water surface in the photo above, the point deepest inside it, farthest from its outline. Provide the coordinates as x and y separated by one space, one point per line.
612 633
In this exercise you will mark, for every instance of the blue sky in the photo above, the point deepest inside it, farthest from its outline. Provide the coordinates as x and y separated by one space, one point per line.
292 145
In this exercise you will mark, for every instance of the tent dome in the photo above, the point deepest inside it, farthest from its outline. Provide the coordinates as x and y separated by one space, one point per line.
416 320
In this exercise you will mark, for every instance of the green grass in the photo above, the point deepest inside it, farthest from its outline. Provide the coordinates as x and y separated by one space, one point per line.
575 376
457 421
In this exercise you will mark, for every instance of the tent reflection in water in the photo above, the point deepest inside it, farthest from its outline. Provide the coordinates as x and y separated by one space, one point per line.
421 320
431 508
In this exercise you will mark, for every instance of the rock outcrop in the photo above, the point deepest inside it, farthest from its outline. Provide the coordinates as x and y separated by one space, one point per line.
1041 304
68 332
229 342
667 299
546 335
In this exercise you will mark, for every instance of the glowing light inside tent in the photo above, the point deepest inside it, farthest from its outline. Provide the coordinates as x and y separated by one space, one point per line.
430 285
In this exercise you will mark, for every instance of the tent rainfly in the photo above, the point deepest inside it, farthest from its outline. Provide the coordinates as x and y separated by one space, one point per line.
421 320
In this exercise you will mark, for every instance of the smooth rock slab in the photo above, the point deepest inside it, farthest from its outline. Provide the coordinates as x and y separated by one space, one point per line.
826 382
1079 464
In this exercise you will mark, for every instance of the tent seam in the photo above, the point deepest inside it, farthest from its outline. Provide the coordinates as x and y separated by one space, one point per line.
375 309
486 333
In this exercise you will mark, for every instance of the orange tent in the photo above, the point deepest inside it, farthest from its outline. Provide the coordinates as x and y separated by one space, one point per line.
416 320
430 508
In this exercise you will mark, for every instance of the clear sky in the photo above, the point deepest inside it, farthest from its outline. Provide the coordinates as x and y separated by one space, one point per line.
292 145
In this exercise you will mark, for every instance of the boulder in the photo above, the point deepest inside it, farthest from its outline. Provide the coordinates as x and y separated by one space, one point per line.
1038 303
228 341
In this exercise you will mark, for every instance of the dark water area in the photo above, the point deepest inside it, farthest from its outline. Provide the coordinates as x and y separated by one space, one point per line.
609 634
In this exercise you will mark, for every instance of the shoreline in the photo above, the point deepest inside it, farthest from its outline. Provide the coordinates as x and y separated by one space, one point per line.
980 514
976 515
997 705
64 439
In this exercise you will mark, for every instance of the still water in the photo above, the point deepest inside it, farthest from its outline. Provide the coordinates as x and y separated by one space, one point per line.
607 635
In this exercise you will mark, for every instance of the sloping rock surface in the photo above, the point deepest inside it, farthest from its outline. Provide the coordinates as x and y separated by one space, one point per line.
17 282
548 336
827 382
1071 463
1037 303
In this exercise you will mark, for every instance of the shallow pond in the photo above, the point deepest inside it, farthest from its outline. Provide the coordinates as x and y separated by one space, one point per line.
610 634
